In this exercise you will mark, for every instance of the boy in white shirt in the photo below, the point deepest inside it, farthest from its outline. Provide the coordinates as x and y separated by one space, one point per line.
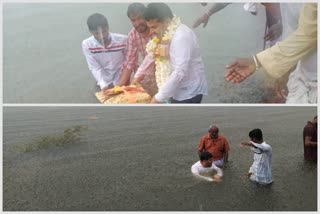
105 52
205 167
260 171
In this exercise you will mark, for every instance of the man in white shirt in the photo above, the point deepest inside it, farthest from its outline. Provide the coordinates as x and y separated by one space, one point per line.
186 82
205 167
260 171
105 52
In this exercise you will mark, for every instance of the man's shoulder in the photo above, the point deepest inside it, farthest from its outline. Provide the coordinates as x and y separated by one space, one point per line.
196 165
267 147
117 37
88 41
132 33
309 125
184 28
267 144
206 136
222 137
183 32
135 35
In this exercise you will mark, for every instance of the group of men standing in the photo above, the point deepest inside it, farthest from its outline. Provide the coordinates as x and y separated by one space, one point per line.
213 151
114 58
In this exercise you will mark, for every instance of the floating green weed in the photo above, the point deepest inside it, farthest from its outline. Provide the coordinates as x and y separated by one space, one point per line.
70 136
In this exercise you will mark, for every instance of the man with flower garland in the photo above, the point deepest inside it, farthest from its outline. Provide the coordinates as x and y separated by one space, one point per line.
174 48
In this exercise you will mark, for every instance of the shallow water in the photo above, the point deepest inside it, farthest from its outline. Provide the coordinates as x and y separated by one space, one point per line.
43 60
139 159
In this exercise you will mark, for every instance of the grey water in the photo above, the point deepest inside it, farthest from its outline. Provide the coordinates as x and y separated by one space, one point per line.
43 60
139 159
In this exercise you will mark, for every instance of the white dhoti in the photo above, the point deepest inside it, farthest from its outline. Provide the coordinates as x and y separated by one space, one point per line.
302 83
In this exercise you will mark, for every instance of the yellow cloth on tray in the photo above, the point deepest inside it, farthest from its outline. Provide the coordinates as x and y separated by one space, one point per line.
124 95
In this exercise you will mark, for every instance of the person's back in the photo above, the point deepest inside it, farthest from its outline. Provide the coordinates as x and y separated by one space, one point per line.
194 77
290 13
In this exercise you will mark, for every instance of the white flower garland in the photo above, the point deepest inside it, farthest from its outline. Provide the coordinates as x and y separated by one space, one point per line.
163 65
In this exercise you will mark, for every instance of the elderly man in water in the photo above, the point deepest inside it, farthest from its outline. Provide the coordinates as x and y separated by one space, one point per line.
215 144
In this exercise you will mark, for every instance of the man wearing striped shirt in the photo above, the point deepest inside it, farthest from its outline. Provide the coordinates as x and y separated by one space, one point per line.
260 171
138 38
105 52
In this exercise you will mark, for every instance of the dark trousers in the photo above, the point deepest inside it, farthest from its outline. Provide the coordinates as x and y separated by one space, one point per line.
195 99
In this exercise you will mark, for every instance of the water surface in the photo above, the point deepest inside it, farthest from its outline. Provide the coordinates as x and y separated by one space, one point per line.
139 159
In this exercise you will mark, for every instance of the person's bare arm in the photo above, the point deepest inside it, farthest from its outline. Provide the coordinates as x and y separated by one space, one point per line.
204 18
125 77
308 142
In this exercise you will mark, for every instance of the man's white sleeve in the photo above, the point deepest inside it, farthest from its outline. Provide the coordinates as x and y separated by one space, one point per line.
262 147
219 171
195 172
252 169
94 66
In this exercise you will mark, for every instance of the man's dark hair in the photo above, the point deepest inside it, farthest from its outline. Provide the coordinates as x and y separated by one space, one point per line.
97 20
136 9
159 11
256 133
205 156
316 117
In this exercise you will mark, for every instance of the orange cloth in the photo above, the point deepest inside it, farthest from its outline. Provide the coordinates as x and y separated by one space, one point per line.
123 95
217 147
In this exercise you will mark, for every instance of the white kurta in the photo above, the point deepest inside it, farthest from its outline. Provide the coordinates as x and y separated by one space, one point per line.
261 167
302 83
186 76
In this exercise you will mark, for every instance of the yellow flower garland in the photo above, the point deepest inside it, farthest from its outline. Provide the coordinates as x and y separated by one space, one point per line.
162 62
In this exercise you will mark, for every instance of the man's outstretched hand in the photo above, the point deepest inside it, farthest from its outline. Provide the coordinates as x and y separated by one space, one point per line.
240 70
